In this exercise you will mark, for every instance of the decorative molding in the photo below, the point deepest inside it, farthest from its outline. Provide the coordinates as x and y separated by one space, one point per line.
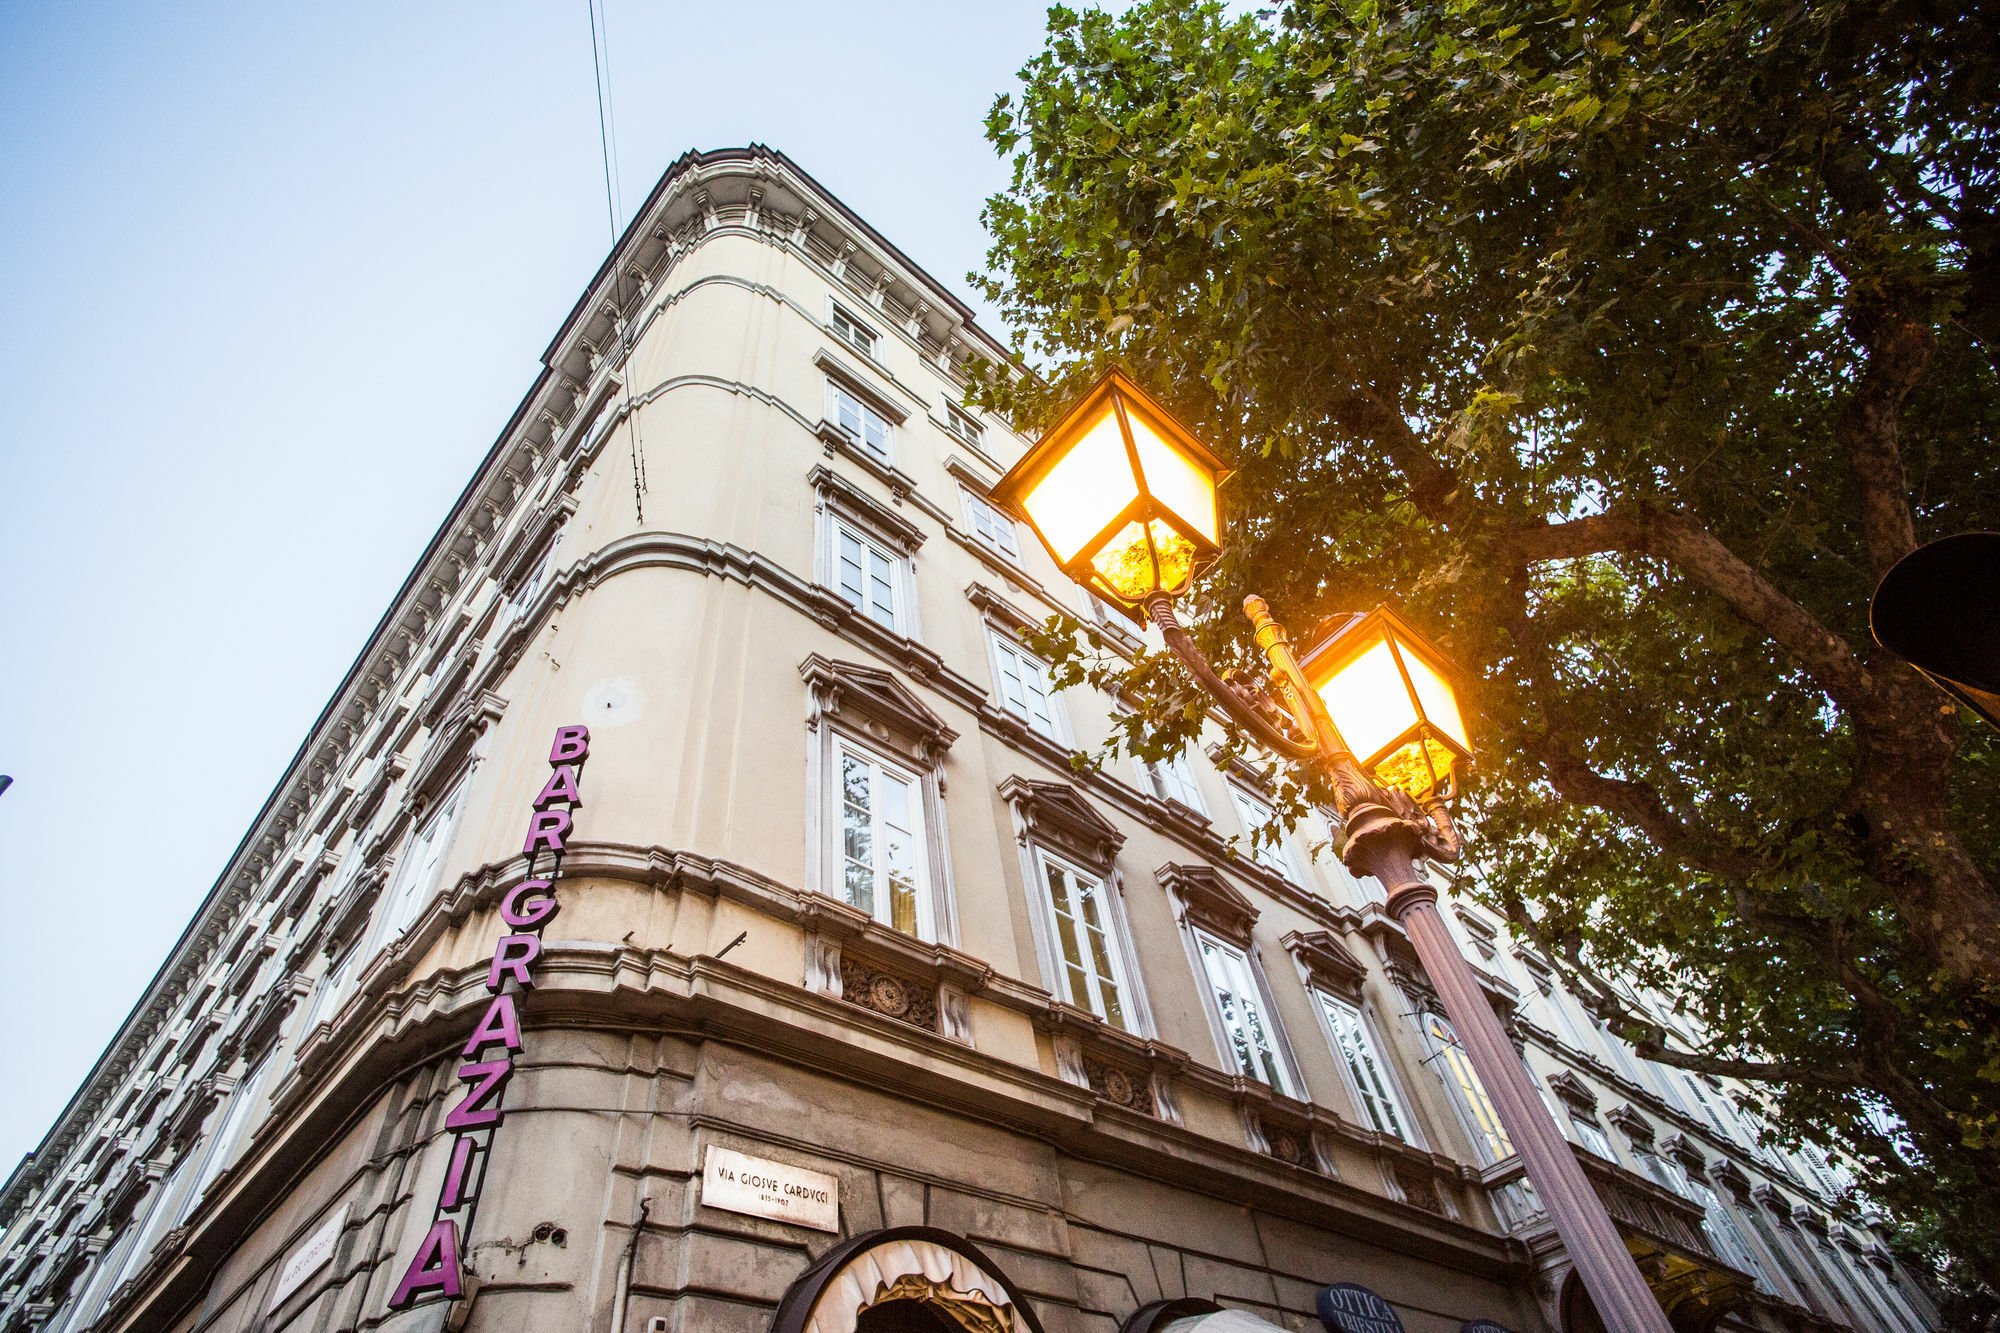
1574 1091
1208 901
845 498
876 704
1055 815
1326 963
1633 1125
458 740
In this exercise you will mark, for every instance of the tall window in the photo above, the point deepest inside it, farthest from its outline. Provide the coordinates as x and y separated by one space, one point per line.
882 841
961 424
1173 780
993 528
852 331
243 1103
1024 687
1252 1040
1256 815
860 422
326 1000
161 1210
1593 1139
532 583
1093 969
1366 1071
1717 1223
1462 1082
417 872
870 577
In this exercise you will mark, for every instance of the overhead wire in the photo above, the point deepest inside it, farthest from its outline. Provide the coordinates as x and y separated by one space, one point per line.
614 206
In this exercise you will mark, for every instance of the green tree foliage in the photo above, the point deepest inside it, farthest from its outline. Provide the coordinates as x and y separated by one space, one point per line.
1626 347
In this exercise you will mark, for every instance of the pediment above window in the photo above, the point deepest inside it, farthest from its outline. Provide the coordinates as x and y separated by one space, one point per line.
1327 962
877 704
458 741
855 503
1633 1125
1684 1150
1573 1090
1053 814
1209 901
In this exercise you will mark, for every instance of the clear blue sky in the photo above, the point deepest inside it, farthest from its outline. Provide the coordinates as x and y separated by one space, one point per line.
272 277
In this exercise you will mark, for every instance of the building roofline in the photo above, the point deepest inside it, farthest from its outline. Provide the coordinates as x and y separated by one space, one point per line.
757 153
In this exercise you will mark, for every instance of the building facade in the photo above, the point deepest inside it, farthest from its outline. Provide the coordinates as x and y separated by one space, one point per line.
861 1006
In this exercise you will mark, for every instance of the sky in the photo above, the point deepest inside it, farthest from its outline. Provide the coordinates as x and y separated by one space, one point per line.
272 279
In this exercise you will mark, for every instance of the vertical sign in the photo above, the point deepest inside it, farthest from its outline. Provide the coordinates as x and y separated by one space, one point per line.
525 909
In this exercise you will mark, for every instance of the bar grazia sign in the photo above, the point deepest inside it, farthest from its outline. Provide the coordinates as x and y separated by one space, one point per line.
525 909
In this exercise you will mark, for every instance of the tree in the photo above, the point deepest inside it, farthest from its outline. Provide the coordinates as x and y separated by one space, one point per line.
1626 346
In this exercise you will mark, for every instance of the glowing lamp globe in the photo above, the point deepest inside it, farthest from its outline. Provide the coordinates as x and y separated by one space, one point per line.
1389 693
1121 495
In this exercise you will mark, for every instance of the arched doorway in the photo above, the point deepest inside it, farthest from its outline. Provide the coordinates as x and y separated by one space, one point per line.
904 1280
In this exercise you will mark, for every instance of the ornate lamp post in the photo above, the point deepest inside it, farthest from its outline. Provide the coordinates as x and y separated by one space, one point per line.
1124 499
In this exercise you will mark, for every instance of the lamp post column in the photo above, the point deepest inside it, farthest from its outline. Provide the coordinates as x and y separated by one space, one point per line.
1383 845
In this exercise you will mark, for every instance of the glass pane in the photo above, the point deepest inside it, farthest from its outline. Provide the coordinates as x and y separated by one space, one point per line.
849 413
861 886
875 433
854 780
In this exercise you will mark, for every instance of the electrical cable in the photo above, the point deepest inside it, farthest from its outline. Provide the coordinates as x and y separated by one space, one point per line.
607 121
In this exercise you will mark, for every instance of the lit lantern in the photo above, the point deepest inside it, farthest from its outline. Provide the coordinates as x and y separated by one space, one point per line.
1388 691
1121 495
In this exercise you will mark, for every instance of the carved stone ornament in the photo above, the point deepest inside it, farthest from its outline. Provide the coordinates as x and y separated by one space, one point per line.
1208 900
902 998
1055 814
859 695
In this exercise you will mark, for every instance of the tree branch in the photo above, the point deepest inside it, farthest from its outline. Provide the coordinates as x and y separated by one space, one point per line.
1693 549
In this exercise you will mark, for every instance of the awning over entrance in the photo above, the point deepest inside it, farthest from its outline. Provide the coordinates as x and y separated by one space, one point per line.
904 1280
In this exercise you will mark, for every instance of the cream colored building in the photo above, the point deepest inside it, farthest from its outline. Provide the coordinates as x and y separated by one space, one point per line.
834 899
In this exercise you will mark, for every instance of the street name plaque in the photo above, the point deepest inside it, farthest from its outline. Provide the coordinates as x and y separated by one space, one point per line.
737 1183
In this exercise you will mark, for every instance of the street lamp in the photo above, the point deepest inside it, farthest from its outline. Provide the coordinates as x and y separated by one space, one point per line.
1124 499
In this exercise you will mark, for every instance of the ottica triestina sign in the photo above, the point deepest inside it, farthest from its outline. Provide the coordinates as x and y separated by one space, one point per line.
526 908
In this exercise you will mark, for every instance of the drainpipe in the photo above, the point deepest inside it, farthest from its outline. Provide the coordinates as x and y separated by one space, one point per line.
624 1292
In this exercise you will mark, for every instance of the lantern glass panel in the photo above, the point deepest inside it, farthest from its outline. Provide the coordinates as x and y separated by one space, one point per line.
1368 701
1128 567
1087 488
1417 767
1434 693
1176 482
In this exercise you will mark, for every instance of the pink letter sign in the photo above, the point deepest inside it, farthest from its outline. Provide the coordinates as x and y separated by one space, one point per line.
524 910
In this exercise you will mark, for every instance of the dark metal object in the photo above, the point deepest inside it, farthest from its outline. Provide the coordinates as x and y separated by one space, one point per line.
1938 609
1156 1315
1387 832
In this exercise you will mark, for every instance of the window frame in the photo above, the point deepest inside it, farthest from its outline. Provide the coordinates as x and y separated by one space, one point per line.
393 920
865 408
1260 852
902 582
924 909
1155 777
963 425
1113 929
1460 1081
1256 990
999 647
972 506
838 314
1332 1011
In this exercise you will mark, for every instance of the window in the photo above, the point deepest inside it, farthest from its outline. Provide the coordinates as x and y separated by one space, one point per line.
1093 971
1256 815
870 577
1455 1068
531 585
1708 1107
1717 1223
1368 1075
993 528
161 1210
1172 780
1252 1041
1024 687
961 424
235 1119
326 1000
1594 1140
882 844
860 422
422 860
852 331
